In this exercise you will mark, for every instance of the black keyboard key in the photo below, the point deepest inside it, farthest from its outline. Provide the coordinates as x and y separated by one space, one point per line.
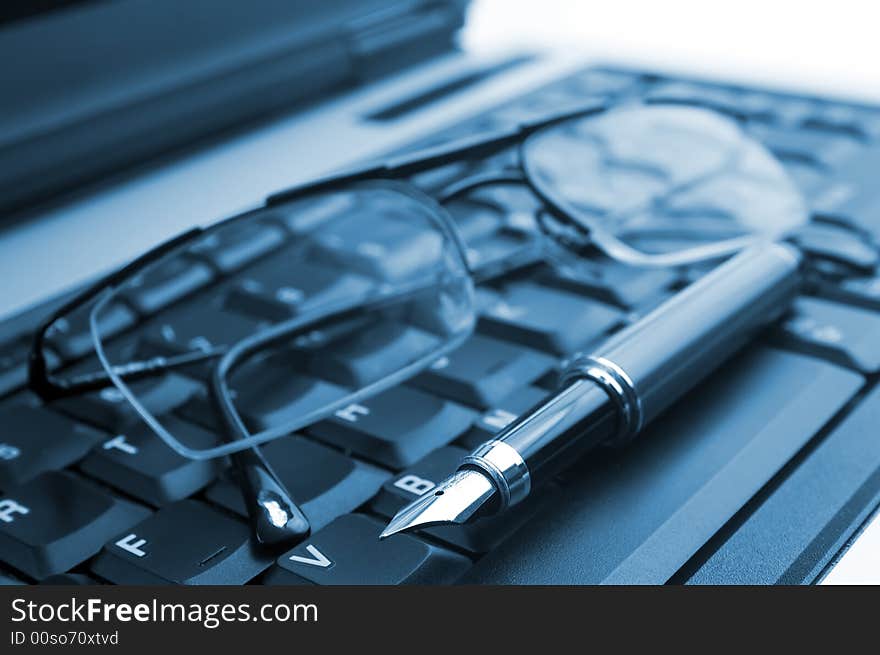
396 428
828 151
69 579
515 206
499 228
856 122
601 82
844 247
13 378
234 246
792 111
305 215
417 479
730 101
550 380
278 290
501 251
13 365
845 335
110 410
792 535
809 178
139 463
484 371
272 394
478 537
56 521
324 482
371 353
616 284
184 543
545 318
200 409
475 219
852 194
197 325
35 439
71 337
393 248
557 98
493 420
859 291
253 299
663 497
436 179
348 552
165 284
9 580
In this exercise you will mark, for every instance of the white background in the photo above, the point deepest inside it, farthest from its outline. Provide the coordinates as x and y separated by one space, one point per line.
825 46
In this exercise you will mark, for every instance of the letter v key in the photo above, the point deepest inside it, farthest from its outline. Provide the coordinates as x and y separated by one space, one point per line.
318 558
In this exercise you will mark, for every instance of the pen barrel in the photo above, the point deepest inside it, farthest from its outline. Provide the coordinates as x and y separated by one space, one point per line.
544 439
609 395
652 363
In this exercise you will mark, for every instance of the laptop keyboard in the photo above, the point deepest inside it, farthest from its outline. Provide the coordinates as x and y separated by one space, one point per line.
758 476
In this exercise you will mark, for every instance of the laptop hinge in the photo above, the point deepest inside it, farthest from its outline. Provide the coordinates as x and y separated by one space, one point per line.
402 35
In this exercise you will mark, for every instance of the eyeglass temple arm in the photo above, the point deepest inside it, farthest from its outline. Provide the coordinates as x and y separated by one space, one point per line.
428 158
40 380
275 517
48 388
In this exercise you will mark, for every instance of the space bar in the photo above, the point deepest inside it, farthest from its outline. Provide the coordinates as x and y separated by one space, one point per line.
635 516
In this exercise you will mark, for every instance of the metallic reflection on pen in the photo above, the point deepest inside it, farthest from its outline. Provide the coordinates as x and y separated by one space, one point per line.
608 396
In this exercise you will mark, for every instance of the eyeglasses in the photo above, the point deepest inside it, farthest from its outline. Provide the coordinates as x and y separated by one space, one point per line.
340 265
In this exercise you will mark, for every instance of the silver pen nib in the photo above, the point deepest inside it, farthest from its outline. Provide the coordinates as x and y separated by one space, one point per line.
455 500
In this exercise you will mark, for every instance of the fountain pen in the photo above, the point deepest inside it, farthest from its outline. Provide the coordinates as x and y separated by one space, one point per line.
608 396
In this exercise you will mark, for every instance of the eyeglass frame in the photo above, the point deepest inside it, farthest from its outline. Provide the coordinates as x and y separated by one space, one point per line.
41 380
39 377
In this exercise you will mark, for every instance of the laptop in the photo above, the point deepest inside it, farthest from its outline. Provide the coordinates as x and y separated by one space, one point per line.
126 122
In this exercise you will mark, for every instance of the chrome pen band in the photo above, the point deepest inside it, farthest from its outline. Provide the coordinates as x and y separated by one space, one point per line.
507 469
615 381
